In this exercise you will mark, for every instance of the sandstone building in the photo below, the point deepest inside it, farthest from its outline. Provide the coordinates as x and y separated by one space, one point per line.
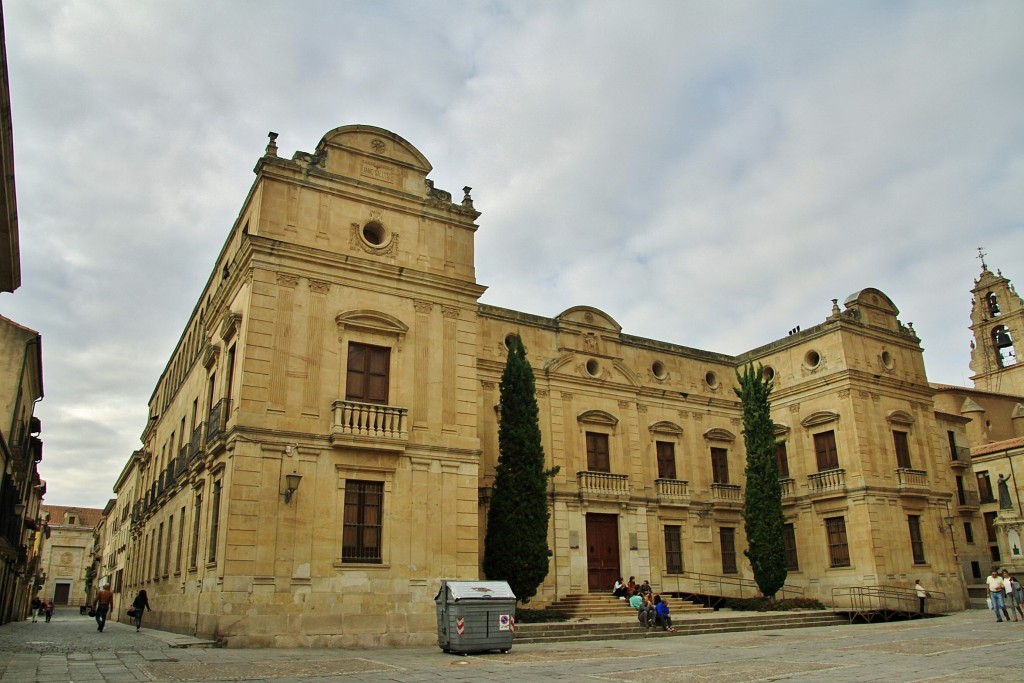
322 441
67 556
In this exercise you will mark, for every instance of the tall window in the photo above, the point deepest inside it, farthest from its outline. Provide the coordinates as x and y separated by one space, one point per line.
157 547
214 521
229 371
985 487
720 465
181 538
727 541
167 554
368 373
961 491
902 449
673 550
364 508
789 540
916 543
825 451
953 454
597 452
838 551
194 555
666 459
969 532
782 457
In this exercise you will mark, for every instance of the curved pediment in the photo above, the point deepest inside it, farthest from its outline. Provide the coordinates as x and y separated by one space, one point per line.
900 417
377 142
371 321
589 317
599 417
719 434
780 429
820 417
665 427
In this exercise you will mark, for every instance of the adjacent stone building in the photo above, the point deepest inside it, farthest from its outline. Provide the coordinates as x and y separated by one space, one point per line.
322 441
67 557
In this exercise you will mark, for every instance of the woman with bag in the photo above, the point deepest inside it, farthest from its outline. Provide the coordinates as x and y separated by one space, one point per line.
140 603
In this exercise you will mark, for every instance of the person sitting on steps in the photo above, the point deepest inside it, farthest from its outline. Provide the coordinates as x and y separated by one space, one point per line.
619 590
661 613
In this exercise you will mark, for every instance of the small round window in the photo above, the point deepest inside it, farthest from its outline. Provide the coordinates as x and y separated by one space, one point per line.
768 373
593 368
887 360
658 368
812 359
374 233
711 379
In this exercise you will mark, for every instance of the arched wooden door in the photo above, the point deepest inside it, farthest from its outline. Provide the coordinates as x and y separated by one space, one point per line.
602 552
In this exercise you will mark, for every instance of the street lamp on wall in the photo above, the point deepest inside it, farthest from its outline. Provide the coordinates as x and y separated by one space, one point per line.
292 485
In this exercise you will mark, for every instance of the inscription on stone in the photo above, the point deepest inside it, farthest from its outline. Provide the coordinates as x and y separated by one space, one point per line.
377 172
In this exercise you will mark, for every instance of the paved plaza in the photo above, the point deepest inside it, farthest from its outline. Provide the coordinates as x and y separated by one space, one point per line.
967 646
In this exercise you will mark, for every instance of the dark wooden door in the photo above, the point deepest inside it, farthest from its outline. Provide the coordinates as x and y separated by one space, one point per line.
602 552
61 592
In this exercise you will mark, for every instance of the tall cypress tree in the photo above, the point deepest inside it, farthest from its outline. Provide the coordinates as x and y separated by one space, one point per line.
516 545
763 520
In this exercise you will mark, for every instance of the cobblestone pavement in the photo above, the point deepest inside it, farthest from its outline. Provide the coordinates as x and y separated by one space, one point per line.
968 646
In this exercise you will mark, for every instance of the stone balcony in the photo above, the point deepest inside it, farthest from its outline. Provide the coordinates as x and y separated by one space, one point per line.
672 491
912 482
827 482
371 424
602 485
726 494
788 486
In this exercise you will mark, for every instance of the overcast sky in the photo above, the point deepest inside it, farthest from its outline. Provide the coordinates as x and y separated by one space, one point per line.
710 174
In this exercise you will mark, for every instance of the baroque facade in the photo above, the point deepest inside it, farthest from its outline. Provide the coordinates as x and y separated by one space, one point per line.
67 557
322 441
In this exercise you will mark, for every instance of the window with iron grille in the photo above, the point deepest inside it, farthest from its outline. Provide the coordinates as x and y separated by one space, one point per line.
214 522
673 550
193 558
364 508
666 459
789 539
597 452
916 542
838 550
727 540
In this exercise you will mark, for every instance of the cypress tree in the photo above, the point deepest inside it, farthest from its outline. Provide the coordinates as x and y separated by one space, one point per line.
516 544
763 520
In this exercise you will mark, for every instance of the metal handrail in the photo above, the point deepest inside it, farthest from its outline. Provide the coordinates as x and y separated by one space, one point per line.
882 598
722 585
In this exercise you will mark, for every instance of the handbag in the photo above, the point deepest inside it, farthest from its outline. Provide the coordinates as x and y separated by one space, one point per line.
131 612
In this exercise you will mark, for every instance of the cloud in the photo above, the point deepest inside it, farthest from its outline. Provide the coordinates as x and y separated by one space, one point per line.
709 174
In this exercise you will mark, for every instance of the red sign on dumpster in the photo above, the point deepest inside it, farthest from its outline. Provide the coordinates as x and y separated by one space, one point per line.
460 625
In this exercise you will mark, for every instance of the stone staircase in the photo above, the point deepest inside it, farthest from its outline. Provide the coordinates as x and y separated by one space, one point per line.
689 623
601 605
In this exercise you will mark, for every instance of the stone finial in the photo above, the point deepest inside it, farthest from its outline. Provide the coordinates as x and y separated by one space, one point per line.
272 145
467 201
835 308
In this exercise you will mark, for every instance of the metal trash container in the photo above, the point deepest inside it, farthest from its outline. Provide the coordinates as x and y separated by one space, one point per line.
475 616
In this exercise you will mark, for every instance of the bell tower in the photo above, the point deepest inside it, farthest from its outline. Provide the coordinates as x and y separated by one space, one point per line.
997 321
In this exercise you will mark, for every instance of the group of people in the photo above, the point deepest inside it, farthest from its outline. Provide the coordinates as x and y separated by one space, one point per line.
1004 590
40 606
652 610
104 605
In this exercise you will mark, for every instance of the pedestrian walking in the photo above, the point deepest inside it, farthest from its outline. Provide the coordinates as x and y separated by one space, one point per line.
104 605
996 594
1013 597
140 603
37 605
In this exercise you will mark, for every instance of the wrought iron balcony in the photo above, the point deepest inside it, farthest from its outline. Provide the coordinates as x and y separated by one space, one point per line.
968 501
827 481
384 425
672 490
217 423
602 484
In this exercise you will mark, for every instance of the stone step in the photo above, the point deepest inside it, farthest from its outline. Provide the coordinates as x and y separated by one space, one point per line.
579 631
602 605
